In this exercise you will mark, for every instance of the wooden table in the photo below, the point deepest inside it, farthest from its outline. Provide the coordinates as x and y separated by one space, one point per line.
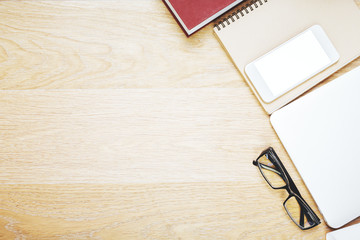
114 125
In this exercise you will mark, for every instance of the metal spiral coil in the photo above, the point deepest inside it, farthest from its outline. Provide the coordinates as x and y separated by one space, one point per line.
246 9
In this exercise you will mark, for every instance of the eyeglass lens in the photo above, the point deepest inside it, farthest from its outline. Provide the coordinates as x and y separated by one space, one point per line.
270 173
293 207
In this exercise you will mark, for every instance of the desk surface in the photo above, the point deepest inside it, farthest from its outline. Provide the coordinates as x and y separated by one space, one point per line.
126 129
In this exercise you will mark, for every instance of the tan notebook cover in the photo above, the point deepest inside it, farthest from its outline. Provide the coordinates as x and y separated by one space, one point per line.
262 25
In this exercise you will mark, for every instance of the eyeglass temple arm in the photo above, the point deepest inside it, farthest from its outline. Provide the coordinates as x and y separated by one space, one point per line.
291 182
303 211
311 218
302 215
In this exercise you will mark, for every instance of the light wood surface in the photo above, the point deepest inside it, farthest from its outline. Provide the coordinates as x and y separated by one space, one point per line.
114 125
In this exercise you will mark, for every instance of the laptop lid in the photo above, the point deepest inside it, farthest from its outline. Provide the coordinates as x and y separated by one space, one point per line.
321 133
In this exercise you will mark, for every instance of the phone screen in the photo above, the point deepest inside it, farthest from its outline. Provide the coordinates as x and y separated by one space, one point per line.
292 63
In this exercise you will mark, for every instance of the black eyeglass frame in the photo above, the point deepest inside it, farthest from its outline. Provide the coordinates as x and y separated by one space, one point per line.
290 187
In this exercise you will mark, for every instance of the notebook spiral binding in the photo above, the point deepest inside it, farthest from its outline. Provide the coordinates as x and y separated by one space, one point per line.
246 9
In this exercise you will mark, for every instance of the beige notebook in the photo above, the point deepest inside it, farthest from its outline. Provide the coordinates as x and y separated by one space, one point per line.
262 25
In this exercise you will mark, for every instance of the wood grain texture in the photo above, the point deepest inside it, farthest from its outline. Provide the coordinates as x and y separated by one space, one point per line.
166 156
139 164
135 136
106 44
209 210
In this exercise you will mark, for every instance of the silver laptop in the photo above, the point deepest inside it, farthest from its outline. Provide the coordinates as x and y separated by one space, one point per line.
321 133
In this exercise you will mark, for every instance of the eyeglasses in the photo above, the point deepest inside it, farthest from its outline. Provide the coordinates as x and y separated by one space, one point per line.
277 177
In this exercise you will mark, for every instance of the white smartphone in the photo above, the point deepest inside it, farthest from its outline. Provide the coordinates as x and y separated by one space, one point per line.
292 63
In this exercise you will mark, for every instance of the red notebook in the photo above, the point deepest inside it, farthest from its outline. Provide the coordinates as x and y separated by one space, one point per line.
195 14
